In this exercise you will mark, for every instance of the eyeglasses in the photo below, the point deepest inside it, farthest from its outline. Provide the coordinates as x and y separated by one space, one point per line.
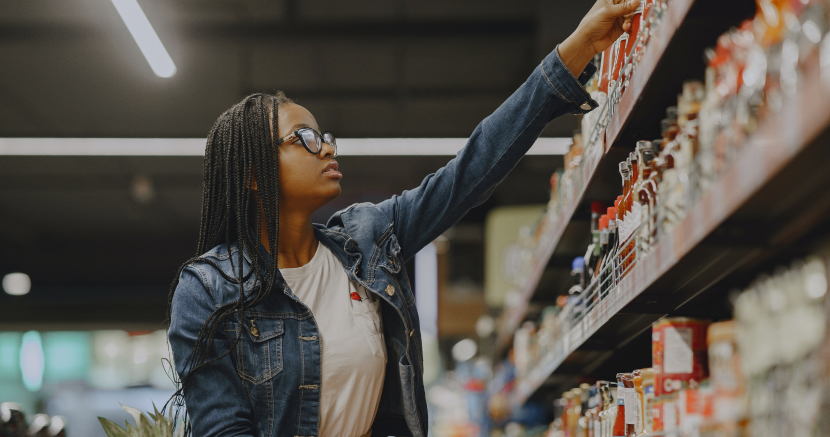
311 139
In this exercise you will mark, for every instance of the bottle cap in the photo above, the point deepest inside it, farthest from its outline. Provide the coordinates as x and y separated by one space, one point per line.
578 263
656 145
632 157
597 207
623 168
643 145
603 222
612 213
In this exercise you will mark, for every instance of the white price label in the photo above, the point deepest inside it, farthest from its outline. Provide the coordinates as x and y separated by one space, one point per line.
632 406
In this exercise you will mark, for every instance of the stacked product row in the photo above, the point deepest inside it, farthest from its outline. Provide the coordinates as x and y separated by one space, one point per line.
617 65
765 373
752 73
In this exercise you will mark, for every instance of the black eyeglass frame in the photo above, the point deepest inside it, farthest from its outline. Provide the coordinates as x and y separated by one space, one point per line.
324 138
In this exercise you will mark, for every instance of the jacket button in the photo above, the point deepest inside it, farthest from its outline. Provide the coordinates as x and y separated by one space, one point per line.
390 290
254 331
585 106
411 333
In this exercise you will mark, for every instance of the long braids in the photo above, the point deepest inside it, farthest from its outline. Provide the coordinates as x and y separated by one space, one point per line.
239 144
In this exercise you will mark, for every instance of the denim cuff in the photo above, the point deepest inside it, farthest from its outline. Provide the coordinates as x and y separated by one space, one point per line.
568 87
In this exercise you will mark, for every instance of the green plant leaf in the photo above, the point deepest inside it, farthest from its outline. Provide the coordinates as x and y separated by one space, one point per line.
136 413
112 429
132 431
145 427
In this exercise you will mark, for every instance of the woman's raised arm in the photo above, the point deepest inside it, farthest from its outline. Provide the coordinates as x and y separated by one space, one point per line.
555 88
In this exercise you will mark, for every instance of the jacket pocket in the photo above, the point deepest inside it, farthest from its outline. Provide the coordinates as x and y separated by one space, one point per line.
367 315
258 353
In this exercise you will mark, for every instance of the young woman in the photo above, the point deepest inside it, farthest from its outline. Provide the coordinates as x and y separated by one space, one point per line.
281 327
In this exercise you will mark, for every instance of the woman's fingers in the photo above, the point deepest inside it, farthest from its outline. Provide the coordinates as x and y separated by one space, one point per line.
624 8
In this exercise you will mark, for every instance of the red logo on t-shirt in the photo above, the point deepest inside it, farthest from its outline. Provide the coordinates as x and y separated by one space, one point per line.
355 296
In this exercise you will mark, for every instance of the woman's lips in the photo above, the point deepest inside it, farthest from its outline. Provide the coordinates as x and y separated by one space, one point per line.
331 170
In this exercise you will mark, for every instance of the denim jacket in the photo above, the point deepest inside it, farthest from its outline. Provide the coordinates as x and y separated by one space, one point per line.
269 385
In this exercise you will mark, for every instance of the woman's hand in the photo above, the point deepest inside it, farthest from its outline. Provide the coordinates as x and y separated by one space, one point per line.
603 24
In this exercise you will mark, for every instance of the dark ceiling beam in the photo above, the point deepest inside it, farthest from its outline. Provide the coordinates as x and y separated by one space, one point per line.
394 93
375 30
368 29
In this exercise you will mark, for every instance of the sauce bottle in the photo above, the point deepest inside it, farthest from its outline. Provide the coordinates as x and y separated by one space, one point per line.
613 409
619 428
648 401
605 69
619 59
625 422
632 220
602 409
593 254
637 376
607 265
646 190
603 239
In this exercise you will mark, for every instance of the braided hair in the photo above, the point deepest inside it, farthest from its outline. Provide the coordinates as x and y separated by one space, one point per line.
240 143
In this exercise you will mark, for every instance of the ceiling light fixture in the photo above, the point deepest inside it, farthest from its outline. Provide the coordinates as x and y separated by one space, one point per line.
17 284
145 37
196 146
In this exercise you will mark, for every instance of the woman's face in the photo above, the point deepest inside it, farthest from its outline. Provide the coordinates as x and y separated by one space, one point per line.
306 181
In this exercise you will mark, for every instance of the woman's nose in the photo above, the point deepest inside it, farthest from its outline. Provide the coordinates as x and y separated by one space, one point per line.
327 151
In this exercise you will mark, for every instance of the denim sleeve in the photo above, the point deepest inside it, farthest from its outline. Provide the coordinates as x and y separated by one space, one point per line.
216 401
493 150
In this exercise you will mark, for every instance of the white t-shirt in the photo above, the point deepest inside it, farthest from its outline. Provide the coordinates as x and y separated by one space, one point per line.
354 354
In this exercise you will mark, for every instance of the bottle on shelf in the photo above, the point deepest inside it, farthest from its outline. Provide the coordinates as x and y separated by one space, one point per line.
613 409
603 251
646 195
637 376
595 248
648 401
614 86
625 422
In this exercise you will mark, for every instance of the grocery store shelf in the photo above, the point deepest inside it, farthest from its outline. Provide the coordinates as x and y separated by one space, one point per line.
681 31
514 315
658 42
767 191
674 54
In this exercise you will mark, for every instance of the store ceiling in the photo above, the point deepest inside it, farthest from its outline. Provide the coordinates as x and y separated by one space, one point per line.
100 257
367 68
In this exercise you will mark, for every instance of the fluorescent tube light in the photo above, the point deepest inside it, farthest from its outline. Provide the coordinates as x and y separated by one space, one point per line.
145 37
196 146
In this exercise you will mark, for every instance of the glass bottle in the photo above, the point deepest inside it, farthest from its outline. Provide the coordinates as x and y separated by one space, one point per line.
624 425
607 265
606 69
619 59
602 419
631 220
646 190
597 208
603 244
648 400
625 176
637 376
613 409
